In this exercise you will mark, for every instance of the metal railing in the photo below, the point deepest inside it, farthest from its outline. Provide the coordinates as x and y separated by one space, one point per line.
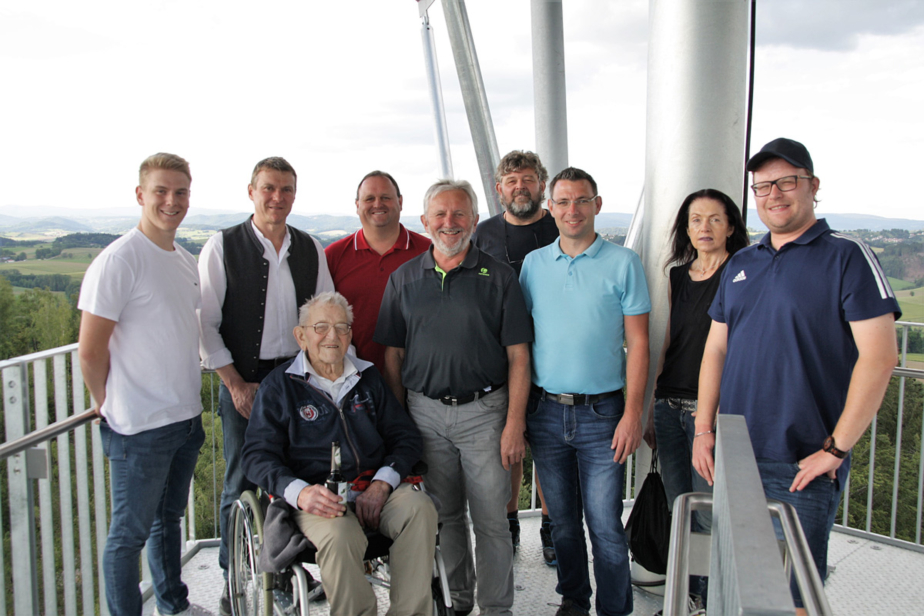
51 557
861 511
741 557
51 561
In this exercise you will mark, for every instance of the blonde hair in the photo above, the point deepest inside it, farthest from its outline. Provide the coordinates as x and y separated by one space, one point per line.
163 160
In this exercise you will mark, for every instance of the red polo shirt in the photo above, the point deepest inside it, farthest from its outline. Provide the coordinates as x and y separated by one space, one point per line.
360 274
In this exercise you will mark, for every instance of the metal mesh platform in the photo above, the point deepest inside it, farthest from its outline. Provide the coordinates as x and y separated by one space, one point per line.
869 578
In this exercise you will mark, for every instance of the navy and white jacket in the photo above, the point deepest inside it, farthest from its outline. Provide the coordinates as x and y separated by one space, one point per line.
293 424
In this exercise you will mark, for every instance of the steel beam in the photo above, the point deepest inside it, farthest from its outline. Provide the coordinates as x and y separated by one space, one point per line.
474 96
549 94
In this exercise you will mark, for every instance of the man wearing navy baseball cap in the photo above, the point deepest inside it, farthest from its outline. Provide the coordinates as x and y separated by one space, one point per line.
818 306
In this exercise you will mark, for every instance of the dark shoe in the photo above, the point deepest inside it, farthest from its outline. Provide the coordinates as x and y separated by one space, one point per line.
548 550
224 604
514 524
312 584
570 609
464 612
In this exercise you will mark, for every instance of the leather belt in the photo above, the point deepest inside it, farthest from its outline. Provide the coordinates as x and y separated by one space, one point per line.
269 364
575 399
682 403
466 398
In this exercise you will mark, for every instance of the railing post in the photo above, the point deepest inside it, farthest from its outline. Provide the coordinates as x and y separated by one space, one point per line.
22 522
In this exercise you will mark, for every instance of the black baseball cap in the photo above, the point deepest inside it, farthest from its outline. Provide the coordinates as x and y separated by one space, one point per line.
791 151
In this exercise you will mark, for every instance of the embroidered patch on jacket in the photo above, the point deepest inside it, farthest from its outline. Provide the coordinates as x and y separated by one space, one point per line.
739 277
309 412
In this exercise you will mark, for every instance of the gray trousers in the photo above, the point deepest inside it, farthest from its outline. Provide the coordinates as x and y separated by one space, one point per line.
462 452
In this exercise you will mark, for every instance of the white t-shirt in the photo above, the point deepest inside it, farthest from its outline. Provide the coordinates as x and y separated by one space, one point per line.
154 375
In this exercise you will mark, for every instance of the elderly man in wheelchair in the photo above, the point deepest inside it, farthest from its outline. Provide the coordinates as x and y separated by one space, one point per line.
325 395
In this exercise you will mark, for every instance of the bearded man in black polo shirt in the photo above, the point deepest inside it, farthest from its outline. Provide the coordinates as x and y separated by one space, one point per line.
457 331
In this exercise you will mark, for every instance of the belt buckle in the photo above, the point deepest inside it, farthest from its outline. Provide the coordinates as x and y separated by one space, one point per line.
566 399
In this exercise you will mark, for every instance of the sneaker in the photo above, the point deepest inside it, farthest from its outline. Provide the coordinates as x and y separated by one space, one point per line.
224 604
192 610
548 550
514 532
568 608
694 606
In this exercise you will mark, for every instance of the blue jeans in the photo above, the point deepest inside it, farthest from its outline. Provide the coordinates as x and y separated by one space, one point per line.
816 506
233 428
571 450
149 475
674 429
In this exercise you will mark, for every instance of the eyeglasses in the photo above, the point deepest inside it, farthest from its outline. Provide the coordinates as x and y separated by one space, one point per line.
514 262
785 184
322 328
577 202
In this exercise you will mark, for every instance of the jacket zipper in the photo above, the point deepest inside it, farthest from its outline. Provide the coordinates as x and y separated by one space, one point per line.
346 430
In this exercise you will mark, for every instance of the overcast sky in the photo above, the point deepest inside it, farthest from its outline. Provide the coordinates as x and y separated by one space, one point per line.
339 89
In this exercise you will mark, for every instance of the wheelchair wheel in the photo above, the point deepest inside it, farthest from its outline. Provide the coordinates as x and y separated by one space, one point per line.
247 588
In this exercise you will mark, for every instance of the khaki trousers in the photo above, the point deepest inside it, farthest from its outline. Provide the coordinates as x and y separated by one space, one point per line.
409 520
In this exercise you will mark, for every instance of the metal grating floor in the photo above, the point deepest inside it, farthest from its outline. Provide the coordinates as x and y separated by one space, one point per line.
869 578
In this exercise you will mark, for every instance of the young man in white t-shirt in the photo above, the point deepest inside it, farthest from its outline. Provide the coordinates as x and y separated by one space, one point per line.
140 360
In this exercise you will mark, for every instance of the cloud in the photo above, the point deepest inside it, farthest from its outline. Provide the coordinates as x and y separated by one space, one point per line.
833 25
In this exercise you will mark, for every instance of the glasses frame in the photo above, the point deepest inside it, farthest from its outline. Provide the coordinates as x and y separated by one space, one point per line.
770 185
578 202
342 329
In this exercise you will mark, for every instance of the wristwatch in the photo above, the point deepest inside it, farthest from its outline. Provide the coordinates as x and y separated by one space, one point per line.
832 449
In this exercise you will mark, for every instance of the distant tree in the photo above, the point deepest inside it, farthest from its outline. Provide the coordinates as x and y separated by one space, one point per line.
20 257
7 312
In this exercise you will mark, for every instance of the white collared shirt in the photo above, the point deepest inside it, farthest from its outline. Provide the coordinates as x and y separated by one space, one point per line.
280 315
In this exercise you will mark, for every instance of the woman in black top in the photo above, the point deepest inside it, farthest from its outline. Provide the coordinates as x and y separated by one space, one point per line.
707 231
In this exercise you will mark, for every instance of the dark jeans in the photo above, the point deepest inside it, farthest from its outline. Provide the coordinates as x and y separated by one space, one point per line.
816 506
674 429
233 427
149 475
571 450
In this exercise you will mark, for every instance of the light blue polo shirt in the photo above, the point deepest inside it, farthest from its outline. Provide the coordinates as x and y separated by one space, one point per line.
578 307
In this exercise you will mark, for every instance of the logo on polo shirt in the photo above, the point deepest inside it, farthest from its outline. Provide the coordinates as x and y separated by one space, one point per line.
309 412
483 272
739 277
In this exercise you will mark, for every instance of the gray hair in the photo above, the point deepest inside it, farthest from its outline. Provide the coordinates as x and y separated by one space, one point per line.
519 160
446 185
331 298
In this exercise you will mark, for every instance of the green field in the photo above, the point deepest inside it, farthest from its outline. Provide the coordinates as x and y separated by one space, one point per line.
912 305
900 285
59 265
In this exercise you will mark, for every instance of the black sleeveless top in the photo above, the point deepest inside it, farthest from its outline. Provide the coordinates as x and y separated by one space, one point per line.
690 322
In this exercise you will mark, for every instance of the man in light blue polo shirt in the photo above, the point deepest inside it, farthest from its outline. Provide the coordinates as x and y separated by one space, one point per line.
586 297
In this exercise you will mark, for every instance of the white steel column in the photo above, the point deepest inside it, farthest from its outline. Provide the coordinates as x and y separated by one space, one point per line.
549 96
697 91
474 96
436 91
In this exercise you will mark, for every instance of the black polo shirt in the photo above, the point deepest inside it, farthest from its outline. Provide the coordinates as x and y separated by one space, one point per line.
454 326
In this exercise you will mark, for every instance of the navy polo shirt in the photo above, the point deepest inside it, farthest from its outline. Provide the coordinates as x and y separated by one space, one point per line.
790 349
454 326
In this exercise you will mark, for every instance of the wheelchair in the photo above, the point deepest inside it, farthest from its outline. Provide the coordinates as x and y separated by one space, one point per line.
290 593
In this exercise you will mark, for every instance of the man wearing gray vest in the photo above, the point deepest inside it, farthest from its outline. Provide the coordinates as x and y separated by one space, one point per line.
254 277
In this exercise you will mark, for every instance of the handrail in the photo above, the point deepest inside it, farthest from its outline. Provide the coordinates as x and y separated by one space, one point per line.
47 433
809 581
46 354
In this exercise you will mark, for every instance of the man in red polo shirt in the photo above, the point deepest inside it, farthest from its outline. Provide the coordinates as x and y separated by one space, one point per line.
361 263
